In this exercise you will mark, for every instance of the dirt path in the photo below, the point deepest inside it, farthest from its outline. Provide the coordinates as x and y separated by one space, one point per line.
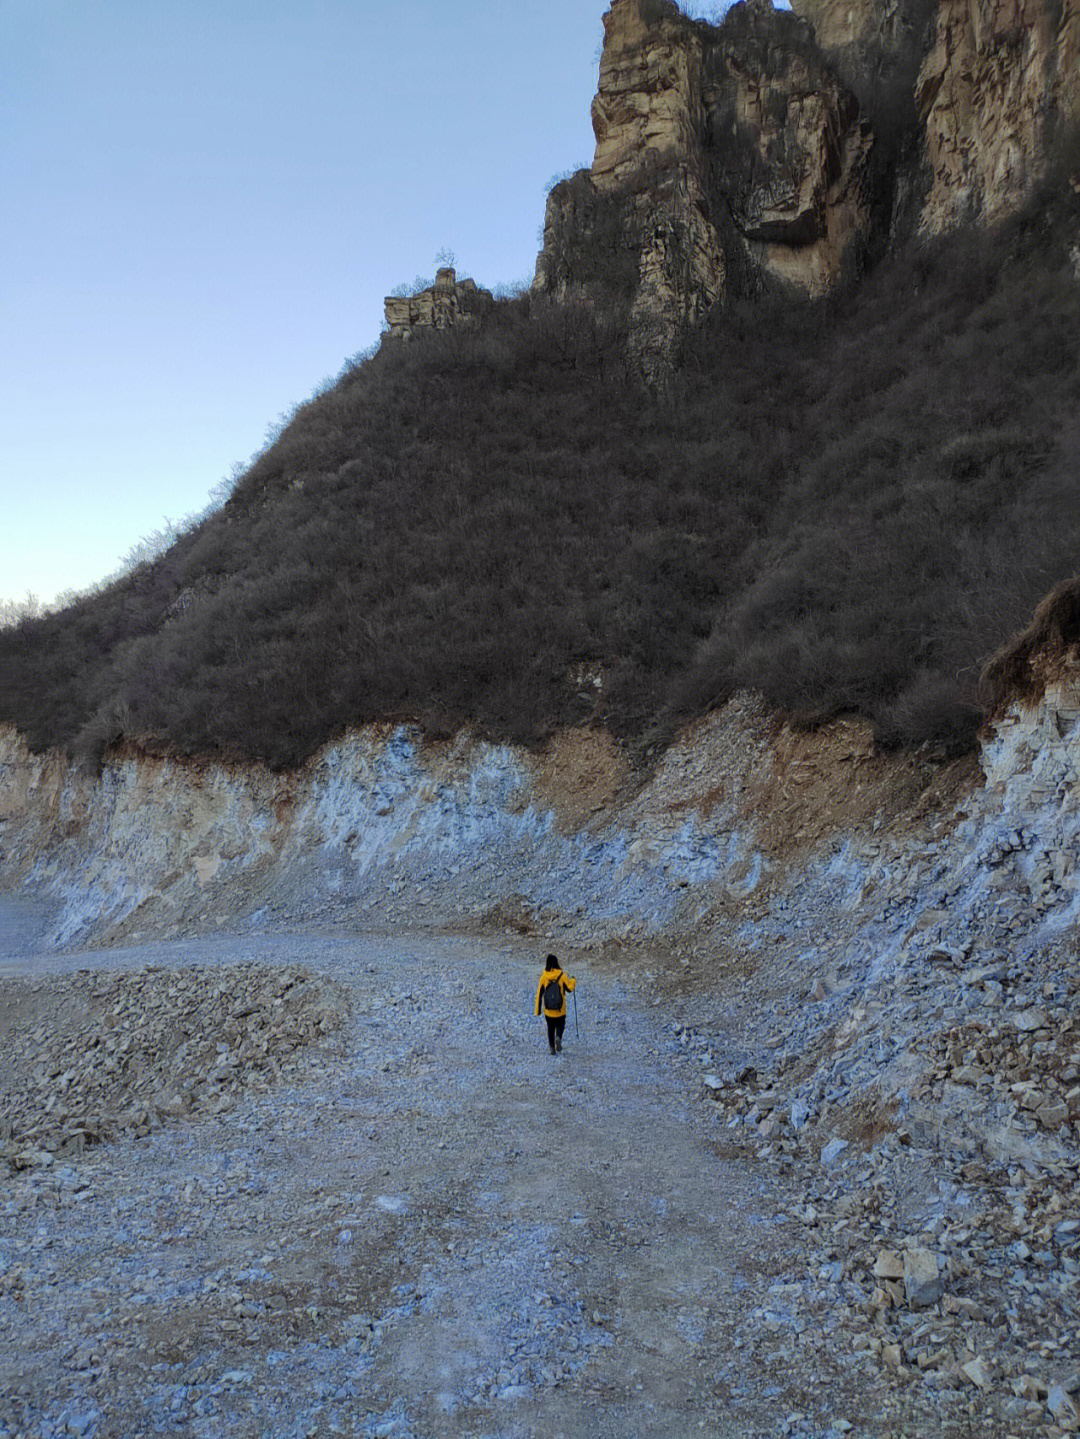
440 1230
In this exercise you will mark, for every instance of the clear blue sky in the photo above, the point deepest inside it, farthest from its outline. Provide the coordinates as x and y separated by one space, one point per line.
205 202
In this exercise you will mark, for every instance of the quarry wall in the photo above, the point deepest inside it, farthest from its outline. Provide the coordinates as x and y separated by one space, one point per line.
743 825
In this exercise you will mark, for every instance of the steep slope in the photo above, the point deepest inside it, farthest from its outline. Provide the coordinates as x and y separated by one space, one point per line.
724 155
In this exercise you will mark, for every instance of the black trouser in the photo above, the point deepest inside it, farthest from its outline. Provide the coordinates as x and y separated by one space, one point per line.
556 1024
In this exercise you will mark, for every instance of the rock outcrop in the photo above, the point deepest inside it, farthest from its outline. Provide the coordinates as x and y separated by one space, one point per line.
1000 84
732 154
724 154
447 303
869 41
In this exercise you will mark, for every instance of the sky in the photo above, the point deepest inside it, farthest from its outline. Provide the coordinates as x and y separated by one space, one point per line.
204 204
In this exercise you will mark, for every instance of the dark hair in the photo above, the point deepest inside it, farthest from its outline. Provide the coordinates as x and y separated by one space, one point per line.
553 963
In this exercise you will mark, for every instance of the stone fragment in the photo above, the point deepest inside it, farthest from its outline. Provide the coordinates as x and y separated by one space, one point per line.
888 1265
1063 1409
1052 1116
976 1372
1026 1386
1027 1021
892 1356
833 1150
923 1281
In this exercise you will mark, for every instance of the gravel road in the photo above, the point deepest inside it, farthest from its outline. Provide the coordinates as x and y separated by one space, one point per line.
436 1228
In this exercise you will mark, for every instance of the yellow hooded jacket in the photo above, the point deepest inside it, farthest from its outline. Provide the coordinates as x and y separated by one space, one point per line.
565 983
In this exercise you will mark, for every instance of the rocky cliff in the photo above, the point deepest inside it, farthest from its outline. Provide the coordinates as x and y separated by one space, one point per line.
871 42
441 306
723 154
999 87
733 155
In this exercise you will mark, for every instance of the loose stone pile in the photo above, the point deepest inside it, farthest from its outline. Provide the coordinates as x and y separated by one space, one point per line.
94 1056
1031 1065
929 1113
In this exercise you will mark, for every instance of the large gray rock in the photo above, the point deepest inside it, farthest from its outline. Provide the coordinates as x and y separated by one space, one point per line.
924 1283
1063 1408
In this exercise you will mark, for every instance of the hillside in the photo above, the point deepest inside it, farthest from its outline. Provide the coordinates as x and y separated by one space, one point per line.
757 425
847 504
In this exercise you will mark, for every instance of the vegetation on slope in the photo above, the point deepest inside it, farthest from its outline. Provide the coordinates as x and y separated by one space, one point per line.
847 506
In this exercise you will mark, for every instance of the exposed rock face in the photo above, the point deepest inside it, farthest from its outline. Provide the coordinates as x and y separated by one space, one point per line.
731 154
449 302
869 40
1001 79
648 107
719 151
802 200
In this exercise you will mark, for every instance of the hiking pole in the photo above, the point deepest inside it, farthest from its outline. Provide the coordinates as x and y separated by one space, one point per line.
577 1031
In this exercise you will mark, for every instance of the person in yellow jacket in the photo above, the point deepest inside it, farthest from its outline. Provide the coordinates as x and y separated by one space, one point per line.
551 995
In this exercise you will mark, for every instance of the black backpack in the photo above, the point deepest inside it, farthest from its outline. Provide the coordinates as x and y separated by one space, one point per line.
553 995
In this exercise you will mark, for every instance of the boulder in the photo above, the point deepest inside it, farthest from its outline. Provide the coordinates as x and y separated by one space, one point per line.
924 1283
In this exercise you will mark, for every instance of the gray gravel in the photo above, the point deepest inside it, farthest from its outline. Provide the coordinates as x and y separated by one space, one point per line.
435 1229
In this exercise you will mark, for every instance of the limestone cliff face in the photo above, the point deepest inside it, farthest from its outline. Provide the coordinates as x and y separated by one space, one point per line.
802 203
728 155
723 153
1002 78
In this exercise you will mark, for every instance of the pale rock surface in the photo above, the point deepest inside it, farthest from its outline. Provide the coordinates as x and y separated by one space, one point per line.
716 147
976 1371
869 40
923 1283
1063 1408
447 303
648 111
1002 78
